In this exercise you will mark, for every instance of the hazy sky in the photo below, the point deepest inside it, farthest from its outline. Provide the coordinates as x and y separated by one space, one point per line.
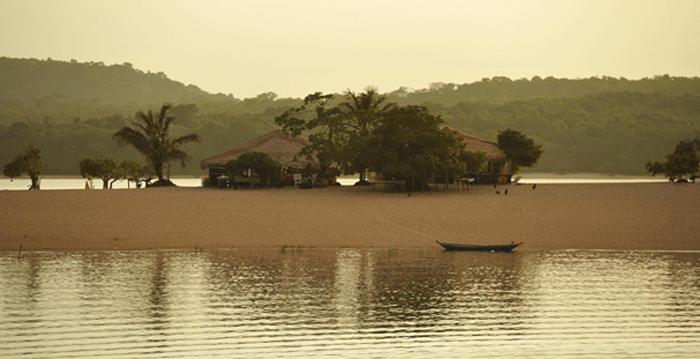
296 47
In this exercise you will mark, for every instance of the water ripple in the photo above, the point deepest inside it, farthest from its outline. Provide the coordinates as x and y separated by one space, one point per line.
349 303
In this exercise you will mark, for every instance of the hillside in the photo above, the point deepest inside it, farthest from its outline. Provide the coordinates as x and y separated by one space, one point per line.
25 79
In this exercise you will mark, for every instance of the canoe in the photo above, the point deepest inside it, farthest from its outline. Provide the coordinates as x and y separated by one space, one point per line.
473 247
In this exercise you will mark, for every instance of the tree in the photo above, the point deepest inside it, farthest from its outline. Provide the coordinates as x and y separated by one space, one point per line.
261 163
109 171
150 137
102 168
684 160
362 113
133 170
520 150
29 161
329 134
409 143
339 134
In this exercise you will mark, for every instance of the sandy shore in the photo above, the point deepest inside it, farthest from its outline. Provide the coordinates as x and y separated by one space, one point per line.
659 216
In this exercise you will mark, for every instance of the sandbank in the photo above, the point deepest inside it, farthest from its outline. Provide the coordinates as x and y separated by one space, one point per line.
648 216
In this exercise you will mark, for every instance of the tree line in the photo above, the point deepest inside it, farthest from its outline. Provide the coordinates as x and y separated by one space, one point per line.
501 90
613 133
363 133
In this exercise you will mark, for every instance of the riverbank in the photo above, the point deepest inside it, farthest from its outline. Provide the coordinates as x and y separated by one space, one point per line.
657 216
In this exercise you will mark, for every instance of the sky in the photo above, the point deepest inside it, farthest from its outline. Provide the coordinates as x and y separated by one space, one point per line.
294 48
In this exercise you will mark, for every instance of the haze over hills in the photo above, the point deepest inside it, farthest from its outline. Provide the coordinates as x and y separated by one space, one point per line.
598 124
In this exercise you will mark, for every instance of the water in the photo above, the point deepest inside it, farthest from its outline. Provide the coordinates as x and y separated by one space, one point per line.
369 303
21 184
18 184
79 183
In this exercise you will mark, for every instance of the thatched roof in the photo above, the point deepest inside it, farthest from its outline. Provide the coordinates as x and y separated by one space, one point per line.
475 144
281 147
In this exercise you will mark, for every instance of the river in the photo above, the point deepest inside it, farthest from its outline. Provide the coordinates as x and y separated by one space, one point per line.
352 303
59 183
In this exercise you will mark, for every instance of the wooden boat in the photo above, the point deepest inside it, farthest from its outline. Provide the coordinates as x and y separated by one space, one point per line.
473 247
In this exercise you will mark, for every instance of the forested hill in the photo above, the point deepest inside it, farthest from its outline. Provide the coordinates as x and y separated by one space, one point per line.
95 81
500 90
70 111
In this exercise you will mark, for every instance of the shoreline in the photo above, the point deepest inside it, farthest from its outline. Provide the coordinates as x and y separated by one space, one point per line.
630 216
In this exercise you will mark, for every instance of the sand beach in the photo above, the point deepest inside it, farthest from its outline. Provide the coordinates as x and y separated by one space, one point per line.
646 216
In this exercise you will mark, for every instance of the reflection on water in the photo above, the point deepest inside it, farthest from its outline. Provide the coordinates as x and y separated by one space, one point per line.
302 302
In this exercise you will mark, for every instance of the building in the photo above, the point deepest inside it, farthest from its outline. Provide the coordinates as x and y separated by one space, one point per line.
276 144
498 168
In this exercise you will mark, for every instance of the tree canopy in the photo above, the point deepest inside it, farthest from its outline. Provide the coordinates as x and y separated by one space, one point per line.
261 163
328 134
134 170
109 171
362 113
520 150
28 161
102 168
410 143
683 161
340 133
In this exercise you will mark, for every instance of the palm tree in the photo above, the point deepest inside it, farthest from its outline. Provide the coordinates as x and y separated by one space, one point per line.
363 109
149 136
362 114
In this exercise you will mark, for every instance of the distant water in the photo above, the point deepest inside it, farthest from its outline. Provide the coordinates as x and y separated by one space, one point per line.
350 303
79 183
554 179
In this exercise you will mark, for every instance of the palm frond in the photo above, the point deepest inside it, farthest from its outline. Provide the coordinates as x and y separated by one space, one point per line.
183 140
177 155
164 120
129 136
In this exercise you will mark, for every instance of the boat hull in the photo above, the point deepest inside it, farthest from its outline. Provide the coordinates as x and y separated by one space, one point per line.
472 247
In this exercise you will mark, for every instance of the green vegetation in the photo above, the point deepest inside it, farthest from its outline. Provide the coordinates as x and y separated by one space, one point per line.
520 150
93 81
29 162
409 143
261 163
150 137
366 132
501 90
109 172
606 125
102 168
329 130
134 171
341 133
683 161
362 113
